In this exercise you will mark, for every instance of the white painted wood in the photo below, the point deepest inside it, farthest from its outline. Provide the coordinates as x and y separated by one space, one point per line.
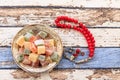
56 75
64 3
105 37
86 74
91 17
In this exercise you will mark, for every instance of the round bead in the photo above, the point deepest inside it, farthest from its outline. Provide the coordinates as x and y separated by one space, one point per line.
74 27
71 19
62 17
66 18
75 21
85 29
77 50
75 55
78 28
88 38
91 55
64 26
93 41
90 34
58 25
92 50
90 44
80 24
68 26
82 53
56 21
85 32
86 35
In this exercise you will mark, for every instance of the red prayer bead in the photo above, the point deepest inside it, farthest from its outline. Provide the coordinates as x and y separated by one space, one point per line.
80 24
82 53
58 25
91 55
78 29
74 27
75 55
68 26
81 28
77 50
56 21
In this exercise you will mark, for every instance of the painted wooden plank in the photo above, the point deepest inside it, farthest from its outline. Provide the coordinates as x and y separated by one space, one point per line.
91 17
64 3
105 37
104 58
64 74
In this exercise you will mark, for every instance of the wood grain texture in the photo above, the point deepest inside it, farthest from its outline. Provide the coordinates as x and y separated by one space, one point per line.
64 3
104 58
105 37
10 16
91 17
64 74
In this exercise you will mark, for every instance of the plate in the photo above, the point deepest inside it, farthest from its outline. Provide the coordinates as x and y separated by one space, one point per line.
52 33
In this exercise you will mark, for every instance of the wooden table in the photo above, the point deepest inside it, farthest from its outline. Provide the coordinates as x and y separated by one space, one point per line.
101 17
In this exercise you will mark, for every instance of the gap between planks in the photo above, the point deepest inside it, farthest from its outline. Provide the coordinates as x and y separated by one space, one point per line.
64 3
105 37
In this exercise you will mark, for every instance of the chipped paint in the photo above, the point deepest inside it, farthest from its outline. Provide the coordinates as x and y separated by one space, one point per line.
68 74
91 17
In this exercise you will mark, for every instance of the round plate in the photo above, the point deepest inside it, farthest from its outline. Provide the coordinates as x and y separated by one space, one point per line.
51 32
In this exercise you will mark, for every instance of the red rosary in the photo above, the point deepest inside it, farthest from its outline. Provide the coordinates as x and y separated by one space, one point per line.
82 29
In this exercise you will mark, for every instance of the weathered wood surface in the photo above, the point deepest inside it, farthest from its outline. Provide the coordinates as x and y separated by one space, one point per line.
64 3
66 74
44 12
91 17
104 58
105 37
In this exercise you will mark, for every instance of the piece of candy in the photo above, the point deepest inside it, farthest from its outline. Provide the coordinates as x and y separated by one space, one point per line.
20 58
27 51
32 38
41 58
39 42
26 61
36 64
42 34
41 49
46 62
49 52
27 45
49 42
28 36
55 57
33 48
21 50
20 41
48 59
33 57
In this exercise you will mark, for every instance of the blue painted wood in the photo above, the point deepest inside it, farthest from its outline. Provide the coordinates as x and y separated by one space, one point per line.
5 54
104 58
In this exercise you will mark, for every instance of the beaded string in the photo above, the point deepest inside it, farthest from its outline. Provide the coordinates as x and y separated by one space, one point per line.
80 28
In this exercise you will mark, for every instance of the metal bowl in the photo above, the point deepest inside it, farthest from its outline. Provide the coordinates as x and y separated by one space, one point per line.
52 33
